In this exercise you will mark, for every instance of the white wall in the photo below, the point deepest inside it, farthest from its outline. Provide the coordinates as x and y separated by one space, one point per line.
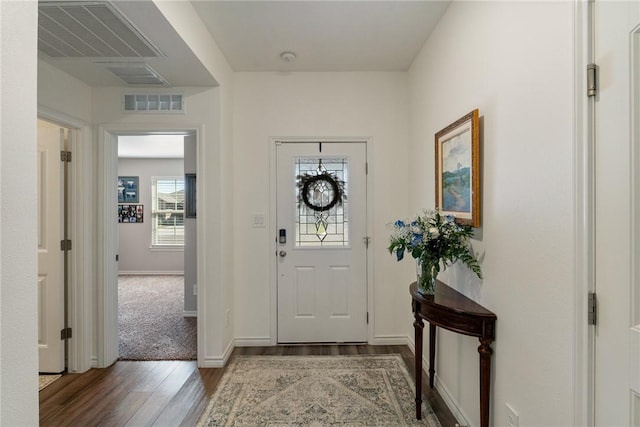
18 262
63 93
136 255
203 114
216 289
495 56
371 105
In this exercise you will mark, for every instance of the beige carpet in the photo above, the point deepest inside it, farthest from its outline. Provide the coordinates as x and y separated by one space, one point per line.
151 321
46 380
316 391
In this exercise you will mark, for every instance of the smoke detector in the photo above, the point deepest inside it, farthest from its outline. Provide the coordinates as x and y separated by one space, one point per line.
288 57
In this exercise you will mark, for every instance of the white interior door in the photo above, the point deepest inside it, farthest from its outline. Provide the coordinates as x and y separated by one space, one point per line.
617 359
50 257
322 251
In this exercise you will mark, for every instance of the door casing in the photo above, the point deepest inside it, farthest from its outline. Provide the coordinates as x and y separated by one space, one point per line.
81 233
107 271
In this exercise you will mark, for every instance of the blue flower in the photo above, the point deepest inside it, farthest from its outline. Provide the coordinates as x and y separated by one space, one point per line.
399 223
416 239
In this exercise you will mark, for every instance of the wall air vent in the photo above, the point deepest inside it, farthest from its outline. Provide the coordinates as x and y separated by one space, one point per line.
154 103
89 29
135 73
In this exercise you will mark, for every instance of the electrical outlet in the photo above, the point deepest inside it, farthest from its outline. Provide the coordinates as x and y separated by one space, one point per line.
195 289
513 419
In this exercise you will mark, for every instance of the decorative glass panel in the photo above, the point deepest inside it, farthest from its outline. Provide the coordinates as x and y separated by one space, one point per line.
322 204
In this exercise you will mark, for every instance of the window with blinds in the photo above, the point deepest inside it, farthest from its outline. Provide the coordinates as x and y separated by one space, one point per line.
167 212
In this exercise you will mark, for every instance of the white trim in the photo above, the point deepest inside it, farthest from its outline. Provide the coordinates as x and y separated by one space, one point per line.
584 217
273 281
81 232
392 340
107 327
454 406
107 289
150 273
217 362
253 342
191 313
166 248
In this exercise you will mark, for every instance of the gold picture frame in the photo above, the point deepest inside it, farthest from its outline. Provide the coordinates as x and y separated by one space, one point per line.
458 169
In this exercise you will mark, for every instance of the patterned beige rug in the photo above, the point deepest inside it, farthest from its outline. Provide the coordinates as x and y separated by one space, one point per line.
45 380
316 391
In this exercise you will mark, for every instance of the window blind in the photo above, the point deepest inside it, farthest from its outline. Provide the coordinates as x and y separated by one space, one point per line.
167 216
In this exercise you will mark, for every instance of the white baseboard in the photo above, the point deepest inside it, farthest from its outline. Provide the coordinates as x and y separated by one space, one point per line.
453 405
390 340
150 273
253 342
94 361
189 314
218 362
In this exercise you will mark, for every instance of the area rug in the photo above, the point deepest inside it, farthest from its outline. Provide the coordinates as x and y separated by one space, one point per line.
316 391
45 380
151 321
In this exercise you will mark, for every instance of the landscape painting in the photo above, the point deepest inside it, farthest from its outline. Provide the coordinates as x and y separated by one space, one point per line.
456 173
458 170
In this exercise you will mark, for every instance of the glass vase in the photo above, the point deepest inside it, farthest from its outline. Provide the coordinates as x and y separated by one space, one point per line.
427 272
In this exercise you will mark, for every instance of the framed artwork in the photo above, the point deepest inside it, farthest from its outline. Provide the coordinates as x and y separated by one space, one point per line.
129 214
190 195
127 189
458 170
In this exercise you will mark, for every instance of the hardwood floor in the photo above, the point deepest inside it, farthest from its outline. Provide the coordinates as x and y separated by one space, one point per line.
173 393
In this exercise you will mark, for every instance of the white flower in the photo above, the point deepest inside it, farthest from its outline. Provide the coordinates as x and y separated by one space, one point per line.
434 232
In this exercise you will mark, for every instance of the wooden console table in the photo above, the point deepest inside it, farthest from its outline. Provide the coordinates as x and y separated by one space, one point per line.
451 310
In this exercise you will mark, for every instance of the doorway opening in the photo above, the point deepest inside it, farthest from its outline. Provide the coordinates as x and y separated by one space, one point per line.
156 248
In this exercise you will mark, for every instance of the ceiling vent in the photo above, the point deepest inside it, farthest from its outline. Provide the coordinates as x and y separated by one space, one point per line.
136 73
81 29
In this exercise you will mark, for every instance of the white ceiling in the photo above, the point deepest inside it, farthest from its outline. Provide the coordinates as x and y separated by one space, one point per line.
352 35
324 35
151 146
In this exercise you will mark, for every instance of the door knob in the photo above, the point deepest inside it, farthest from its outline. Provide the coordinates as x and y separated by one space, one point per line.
283 253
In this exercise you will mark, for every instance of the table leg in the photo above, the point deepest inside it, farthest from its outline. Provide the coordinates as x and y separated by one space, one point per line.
418 326
485 380
432 353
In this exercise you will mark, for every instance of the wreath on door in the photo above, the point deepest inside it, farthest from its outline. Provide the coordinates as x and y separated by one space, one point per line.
311 183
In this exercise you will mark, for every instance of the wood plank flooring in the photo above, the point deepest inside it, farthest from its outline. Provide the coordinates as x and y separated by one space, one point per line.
173 393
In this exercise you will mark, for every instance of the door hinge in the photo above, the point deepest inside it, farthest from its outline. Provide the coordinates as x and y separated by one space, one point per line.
65 156
65 334
592 80
366 241
65 245
592 309
366 168
367 317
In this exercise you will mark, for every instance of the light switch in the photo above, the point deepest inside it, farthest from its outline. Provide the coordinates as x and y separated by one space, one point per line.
258 221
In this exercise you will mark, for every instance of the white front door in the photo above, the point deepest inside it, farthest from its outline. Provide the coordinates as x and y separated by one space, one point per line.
322 248
617 240
50 257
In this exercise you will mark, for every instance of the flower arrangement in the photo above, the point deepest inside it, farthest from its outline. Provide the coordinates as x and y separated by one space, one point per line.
433 239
